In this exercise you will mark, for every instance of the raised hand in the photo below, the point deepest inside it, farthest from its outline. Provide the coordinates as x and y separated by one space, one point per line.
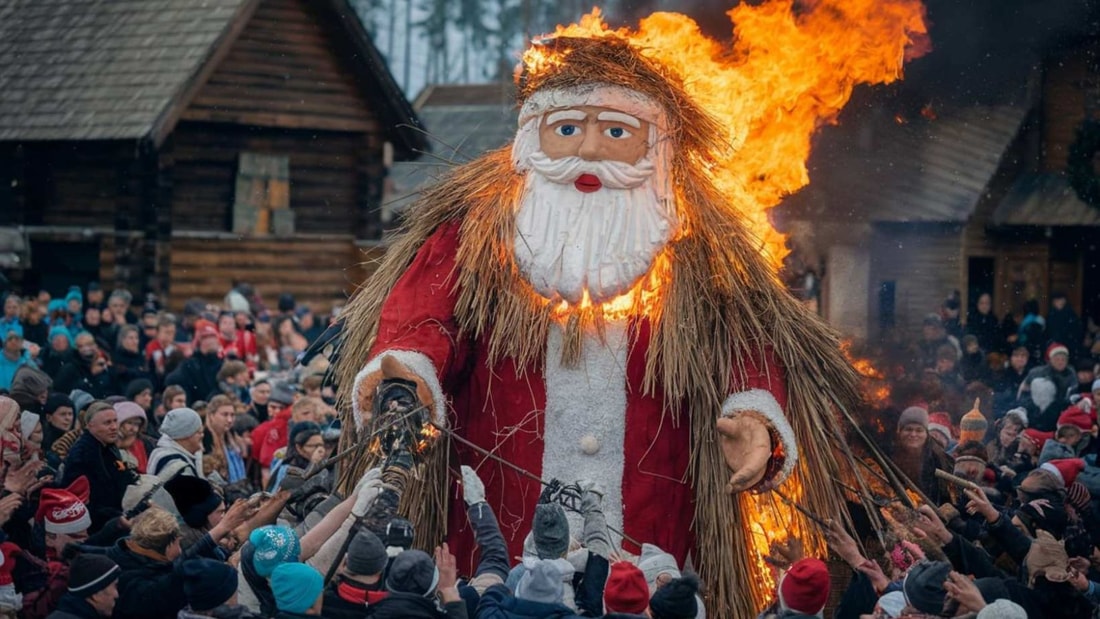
746 445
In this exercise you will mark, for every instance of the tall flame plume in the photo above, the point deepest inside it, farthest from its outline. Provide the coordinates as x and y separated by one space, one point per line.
790 69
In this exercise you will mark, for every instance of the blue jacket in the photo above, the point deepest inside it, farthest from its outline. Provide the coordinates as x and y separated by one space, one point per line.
498 603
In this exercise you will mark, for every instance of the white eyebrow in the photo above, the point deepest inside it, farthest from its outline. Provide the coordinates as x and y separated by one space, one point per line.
554 117
625 119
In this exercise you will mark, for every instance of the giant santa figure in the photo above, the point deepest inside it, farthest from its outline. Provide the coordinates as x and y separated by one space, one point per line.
586 305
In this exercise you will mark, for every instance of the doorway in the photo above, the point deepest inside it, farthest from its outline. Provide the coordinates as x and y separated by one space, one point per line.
980 278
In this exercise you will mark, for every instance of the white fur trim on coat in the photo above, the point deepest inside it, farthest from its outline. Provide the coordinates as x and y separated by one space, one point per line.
417 363
764 403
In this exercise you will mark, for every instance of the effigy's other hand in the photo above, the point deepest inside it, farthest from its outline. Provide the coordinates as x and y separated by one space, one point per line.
746 445
394 369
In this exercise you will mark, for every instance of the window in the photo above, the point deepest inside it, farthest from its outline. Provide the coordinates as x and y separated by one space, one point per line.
261 204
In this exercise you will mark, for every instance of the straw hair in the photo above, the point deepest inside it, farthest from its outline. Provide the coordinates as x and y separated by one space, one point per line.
719 305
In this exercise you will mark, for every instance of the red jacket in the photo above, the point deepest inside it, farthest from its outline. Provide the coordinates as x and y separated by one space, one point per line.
270 436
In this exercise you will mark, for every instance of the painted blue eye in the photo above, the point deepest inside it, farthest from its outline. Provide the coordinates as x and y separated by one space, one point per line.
617 132
567 130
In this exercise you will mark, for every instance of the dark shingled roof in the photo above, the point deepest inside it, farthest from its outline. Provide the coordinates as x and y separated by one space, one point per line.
112 69
1044 200
462 122
876 169
96 69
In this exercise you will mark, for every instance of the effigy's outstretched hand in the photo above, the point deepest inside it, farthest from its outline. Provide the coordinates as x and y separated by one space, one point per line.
746 445
390 369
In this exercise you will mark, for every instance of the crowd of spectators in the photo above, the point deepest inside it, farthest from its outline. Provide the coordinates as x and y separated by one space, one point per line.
157 465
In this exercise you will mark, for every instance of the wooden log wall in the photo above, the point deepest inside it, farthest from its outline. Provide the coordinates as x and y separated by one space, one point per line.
321 271
327 172
922 260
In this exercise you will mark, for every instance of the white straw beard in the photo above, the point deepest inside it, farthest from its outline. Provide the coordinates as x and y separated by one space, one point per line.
568 242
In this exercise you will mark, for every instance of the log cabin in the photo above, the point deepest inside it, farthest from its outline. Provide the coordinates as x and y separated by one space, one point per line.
904 208
177 146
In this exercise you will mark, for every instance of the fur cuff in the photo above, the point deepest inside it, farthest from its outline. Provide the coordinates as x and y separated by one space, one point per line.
764 403
418 364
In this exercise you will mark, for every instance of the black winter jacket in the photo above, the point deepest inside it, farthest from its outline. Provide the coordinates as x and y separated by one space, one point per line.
107 476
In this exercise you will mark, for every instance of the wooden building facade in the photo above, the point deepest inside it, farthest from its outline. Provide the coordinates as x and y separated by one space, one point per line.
178 146
903 210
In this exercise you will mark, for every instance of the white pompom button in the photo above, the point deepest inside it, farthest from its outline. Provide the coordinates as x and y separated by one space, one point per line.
590 444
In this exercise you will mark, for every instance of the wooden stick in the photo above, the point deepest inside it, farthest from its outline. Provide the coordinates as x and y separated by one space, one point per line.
821 522
958 481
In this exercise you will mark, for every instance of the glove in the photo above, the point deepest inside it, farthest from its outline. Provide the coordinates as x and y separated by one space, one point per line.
365 496
591 495
473 489
375 473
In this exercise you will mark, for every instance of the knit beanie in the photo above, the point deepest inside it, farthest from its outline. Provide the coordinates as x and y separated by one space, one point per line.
413 571
282 393
129 410
366 554
27 423
136 386
296 587
653 562
551 531
805 586
195 499
1002 609
91 573
892 604
1078 496
973 425
207 583
80 399
913 415
923 586
273 545
970 451
941 422
180 423
626 590
676 600
543 580
1043 392
1074 416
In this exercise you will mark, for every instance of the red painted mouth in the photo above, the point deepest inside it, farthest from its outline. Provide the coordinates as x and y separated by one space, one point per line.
587 183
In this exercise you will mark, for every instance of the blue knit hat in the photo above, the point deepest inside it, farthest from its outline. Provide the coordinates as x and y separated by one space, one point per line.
296 586
274 545
74 294
61 330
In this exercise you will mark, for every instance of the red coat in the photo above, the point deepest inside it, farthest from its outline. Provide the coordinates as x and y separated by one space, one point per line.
503 409
270 436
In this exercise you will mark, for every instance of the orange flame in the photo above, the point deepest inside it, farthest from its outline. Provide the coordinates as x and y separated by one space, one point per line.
789 71
428 436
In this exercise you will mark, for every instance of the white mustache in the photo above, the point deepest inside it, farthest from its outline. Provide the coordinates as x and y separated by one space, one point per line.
613 174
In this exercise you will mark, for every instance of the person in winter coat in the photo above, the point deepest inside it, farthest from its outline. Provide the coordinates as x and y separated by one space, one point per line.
358 584
1063 324
211 588
133 445
90 373
414 582
918 456
128 361
982 324
802 592
538 594
180 444
95 455
92 590
59 353
198 375
150 585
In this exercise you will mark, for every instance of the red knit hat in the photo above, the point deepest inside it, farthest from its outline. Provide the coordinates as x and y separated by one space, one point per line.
1065 469
1037 437
62 512
1074 416
805 587
1056 348
626 590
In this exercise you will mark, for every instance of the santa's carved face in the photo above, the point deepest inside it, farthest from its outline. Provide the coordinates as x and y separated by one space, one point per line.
594 211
